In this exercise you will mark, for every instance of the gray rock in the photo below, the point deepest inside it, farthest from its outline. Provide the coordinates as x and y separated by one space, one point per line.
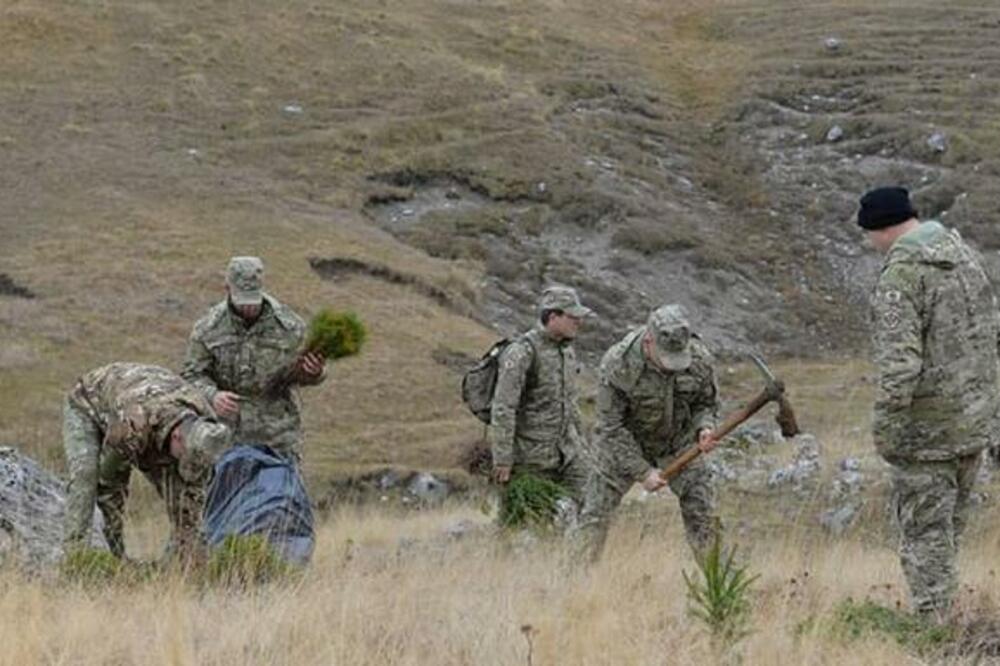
460 529
428 489
835 134
567 515
937 142
804 469
850 465
757 434
779 477
839 519
32 503
808 447
390 479
848 483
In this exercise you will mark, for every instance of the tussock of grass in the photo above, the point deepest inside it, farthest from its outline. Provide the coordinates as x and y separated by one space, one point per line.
854 620
245 560
91 567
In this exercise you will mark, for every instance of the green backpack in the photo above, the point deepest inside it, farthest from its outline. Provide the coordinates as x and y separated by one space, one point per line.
480 381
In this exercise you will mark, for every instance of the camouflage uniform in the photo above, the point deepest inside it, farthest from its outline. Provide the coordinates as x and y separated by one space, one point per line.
935 325
225 353
645 417
129 410
535 424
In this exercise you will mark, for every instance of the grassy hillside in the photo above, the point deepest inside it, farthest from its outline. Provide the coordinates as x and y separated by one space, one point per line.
144 143
616 146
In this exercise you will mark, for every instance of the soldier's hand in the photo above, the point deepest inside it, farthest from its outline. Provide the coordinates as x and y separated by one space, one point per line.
501 473
312 364
226 404
706 442
653 481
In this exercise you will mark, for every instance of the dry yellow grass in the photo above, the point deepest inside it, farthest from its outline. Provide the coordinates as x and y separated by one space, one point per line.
123 233
371 599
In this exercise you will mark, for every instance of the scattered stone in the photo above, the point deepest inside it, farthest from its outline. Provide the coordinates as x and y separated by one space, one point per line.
937 142
460 529
804 469
427 488
32 503
832 44
567 515
839 519
835 134
848 483
850 465
757 434
390 479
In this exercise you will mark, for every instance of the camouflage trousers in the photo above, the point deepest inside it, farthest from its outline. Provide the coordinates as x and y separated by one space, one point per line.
100 473
694 489
930 502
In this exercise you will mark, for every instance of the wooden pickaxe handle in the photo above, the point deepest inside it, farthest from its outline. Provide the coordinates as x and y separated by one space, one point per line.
731 422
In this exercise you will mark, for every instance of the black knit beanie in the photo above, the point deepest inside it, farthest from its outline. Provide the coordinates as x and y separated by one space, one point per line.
885 207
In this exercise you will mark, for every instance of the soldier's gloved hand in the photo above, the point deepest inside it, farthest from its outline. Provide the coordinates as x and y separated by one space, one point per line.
501 473
226 404
706 442
311 364
653 481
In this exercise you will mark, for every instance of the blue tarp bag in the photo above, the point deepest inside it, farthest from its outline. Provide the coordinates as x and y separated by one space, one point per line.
256 491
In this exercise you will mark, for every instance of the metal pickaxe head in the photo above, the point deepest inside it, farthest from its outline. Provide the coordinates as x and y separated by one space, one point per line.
775 390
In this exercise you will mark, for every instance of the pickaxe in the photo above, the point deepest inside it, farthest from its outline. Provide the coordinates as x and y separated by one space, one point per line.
773 391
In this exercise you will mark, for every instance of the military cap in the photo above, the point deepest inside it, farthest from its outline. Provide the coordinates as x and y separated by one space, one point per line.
671 337
204 441
245 277
564 299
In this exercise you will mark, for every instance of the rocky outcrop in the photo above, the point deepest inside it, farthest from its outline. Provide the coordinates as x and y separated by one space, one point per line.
32 502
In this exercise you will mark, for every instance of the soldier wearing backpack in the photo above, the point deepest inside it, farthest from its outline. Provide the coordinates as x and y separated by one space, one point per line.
534 416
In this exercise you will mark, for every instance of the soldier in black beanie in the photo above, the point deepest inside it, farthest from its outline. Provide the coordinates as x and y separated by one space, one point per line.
935 328
886 213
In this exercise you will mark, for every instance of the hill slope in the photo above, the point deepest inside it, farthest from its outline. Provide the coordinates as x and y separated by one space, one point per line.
432 163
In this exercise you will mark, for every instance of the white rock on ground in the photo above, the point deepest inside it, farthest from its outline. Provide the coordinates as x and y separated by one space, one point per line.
32 503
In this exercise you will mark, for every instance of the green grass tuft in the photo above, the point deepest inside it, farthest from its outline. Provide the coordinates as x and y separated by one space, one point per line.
92 567
245 560
854 620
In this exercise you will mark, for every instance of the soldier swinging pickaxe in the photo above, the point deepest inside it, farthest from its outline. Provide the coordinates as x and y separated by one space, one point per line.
773 391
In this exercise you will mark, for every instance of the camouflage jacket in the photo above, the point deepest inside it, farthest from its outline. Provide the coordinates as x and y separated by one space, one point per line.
535 419
136 406
224 354
935 335
645 414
